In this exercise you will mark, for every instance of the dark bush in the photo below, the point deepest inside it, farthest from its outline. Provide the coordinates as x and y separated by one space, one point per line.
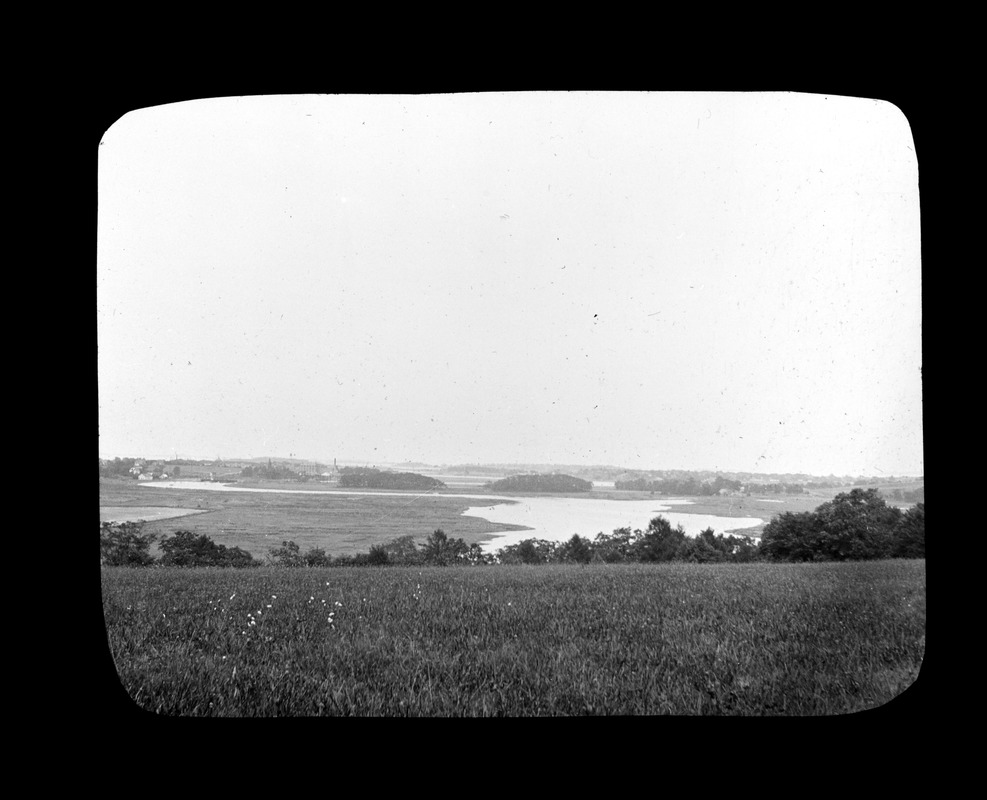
316 557
908 537
125 545
287 555
186 549
853 526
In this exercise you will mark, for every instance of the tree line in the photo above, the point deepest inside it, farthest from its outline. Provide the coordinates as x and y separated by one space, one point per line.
854 526
372 478
126 545
704 488
274 472
913 496
553 482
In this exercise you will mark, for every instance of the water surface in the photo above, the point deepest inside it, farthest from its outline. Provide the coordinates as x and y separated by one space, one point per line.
558 518
544 517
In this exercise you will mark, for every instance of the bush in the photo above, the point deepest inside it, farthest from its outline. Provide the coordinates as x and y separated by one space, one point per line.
403 550
287 555
186 549
125 545
316 557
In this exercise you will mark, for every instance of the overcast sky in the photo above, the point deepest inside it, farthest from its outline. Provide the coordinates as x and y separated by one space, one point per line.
652 280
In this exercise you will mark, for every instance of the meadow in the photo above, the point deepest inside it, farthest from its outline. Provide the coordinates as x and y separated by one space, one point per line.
622 639
341 524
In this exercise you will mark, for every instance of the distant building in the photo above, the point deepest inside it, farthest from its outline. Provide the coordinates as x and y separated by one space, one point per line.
145 477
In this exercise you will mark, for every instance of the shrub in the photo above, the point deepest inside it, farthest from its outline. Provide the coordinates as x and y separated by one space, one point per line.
287 555
316 557
186 549
125 545
403 550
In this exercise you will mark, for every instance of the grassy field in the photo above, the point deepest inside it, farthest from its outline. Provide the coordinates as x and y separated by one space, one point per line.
344 524
753 639
340 524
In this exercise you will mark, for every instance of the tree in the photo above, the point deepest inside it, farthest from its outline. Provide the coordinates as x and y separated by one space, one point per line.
403 550
476 556
615 547
577 549
791 536
287 555
527 552
742 549
698 550
908 537
441 550
125 544
660 542
856 525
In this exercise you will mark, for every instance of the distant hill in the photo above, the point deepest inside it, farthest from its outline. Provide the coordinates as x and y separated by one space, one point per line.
554 482
601 472
369 478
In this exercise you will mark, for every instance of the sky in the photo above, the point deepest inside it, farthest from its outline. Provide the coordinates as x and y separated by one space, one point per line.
697 281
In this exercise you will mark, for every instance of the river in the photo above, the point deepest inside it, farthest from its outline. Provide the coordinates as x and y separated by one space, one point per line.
552 518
